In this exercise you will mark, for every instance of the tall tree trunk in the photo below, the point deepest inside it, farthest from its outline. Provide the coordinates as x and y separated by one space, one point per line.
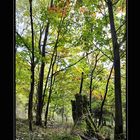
52 63
30 104
117 80
40 83
90 87
50 89
47 79
102 105
40 91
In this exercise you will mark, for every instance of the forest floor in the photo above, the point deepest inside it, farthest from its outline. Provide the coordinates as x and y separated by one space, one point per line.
52 132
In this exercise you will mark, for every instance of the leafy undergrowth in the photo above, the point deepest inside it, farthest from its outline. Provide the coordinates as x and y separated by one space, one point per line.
53 132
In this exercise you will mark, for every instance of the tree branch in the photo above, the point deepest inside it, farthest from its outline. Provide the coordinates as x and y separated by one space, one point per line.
106 90
90 86
115 2
22 39
74 63
98 73
103 52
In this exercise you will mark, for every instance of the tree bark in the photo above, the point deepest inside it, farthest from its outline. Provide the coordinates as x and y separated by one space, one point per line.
40 91
117 80
80 113
50 90
40 83
30 104
52 63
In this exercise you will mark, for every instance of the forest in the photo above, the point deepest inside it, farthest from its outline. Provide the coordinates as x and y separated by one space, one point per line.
71 70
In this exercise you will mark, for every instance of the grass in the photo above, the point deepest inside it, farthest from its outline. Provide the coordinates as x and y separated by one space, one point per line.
55 132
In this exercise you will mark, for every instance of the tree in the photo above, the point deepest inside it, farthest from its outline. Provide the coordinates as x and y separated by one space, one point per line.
40 82
30 105
91 79
102 105
52 63
117 80
56 41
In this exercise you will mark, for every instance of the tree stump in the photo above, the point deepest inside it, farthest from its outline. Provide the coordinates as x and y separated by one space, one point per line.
77 109
80 111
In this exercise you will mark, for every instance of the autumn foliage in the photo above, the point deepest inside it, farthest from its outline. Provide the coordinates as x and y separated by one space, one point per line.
61 8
